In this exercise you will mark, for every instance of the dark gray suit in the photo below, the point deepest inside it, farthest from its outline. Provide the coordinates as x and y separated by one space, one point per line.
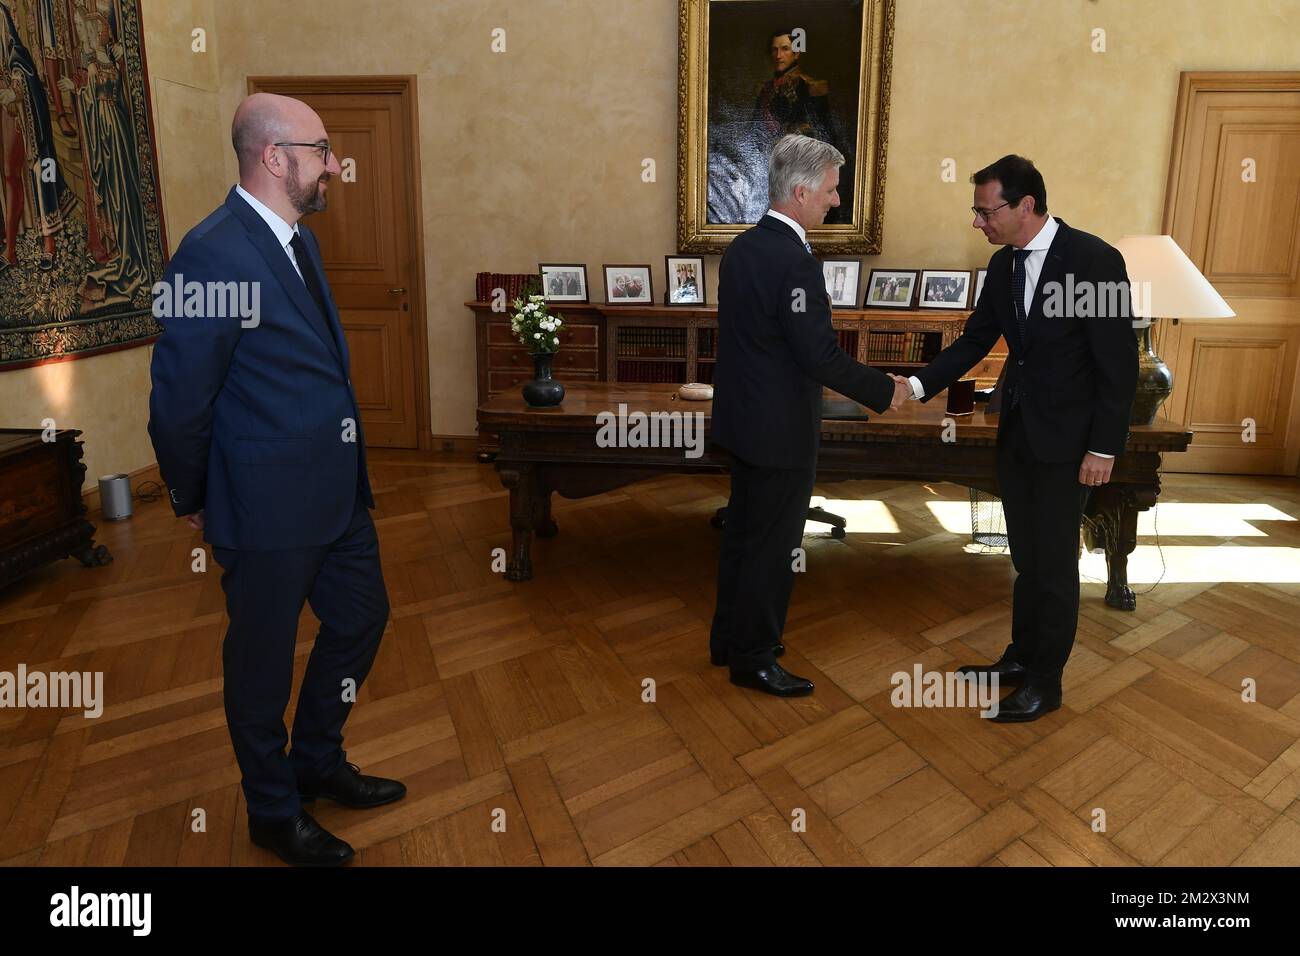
776 350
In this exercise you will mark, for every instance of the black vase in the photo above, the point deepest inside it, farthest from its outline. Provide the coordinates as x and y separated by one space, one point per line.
543 391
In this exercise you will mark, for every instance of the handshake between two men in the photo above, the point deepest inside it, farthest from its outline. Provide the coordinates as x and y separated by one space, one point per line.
1065 411
902 391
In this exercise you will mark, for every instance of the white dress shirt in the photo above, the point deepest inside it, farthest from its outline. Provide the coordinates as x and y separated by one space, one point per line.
284 232
803 236
1037 247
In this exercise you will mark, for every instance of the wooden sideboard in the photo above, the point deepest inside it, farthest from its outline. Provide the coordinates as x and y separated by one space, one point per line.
677 344
42 516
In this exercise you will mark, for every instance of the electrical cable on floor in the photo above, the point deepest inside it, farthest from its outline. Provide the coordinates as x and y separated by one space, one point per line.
142 495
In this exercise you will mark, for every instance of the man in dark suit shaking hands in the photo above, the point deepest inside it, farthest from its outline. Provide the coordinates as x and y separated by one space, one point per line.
776 349
258 438
1069 383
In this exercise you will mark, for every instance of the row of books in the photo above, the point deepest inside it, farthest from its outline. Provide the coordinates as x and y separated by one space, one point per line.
707 340
652 343
651 371
848 340
902 346
516 284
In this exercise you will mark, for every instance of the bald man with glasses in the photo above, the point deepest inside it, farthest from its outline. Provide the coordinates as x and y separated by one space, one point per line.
259 440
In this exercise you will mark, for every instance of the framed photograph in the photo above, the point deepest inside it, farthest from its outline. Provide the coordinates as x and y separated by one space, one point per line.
563 283
841 277
890 288
750 72
980 276
685 280
625 285
944 289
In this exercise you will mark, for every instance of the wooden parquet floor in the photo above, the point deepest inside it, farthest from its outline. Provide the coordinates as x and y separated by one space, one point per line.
521 704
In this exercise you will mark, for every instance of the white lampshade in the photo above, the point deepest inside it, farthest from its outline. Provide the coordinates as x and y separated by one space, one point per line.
1174 287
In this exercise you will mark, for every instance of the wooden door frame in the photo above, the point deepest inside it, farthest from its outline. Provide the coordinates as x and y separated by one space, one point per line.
405 86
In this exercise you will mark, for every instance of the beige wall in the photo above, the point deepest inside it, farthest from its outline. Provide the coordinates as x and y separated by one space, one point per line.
535 154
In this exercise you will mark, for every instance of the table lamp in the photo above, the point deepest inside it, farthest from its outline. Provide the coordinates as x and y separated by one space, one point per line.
1170 286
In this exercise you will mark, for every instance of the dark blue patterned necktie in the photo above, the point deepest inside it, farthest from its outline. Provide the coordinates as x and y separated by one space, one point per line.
1018 291
1018 302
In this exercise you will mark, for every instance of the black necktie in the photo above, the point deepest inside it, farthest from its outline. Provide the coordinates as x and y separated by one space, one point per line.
1018 290
312 282
309 274
1018 302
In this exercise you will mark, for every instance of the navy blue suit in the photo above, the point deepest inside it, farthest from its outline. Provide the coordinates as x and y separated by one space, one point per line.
255 423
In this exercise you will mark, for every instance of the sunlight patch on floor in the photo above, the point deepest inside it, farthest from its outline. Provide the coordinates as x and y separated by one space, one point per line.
863 516
1172 519
1190 564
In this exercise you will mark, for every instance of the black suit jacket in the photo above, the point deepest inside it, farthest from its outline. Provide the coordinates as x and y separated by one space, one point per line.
1076 375
776 349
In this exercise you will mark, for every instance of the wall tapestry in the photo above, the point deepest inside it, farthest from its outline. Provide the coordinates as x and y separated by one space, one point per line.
81 233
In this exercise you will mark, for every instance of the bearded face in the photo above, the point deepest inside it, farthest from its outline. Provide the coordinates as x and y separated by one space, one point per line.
307 195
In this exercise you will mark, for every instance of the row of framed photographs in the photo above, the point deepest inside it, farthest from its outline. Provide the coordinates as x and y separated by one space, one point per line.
626 284
886 288
902 288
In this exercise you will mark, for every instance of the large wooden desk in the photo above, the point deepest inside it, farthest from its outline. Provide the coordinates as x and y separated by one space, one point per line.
554 450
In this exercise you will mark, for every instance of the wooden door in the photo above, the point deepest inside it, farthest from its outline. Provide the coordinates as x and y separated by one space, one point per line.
1233 205
371 244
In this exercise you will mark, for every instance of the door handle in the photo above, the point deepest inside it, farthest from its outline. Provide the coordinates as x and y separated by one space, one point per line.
398 291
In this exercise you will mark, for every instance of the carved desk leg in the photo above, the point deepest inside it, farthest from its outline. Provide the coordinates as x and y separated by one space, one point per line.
1113 512
84 549
91 555
546 526
525 512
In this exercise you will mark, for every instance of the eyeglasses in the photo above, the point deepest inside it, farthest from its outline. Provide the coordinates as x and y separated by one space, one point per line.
986 213
323 149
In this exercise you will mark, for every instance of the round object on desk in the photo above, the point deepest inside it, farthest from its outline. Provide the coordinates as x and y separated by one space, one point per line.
696 392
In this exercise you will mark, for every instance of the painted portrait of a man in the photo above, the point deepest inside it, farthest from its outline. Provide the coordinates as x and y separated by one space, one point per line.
778 68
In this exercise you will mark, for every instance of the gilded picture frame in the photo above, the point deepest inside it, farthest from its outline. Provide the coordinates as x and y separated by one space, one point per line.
725 119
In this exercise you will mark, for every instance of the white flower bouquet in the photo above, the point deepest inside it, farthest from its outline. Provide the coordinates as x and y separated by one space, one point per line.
536 327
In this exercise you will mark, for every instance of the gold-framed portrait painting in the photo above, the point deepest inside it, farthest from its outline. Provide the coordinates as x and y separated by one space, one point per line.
751 71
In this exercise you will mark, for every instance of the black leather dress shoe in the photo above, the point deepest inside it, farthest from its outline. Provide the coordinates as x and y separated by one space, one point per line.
1030 702
719 659
300 841
351 788
1009 672
774 680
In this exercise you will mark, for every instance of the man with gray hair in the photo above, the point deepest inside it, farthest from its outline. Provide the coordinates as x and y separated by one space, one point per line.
776 351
